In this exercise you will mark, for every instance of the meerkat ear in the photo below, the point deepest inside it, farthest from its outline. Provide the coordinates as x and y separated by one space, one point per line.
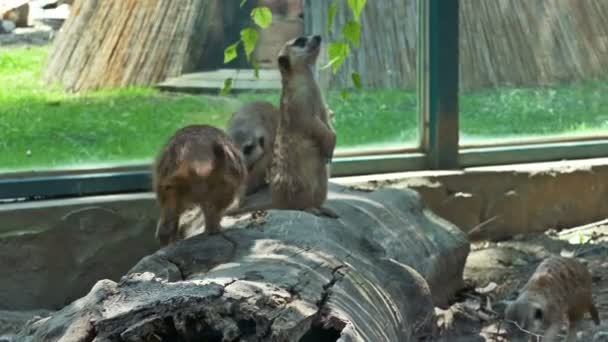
284 64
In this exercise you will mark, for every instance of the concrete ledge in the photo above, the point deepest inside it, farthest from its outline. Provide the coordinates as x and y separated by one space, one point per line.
499 202
505 200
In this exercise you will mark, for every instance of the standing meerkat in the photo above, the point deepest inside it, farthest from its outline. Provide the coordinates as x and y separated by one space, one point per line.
199 165
305 140
253 129
559 289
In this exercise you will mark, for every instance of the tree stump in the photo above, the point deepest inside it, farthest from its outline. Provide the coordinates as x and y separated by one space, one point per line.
117 43
375 274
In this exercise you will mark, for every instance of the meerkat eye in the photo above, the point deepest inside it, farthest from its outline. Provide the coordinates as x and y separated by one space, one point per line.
538 314
300 42
247 149
261 141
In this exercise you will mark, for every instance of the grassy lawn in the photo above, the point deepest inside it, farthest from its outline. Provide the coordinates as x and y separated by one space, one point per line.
579 109
43 127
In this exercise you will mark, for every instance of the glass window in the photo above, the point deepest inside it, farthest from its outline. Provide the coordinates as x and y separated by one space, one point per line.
71 103
383 114
533 71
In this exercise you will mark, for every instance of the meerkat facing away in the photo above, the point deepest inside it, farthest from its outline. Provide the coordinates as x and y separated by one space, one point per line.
559 289
305 139
253 129
199 165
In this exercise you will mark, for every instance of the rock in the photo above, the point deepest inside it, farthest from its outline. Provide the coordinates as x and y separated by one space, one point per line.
7 26
601 336
52 267
375 274
19 15
12 321
38 35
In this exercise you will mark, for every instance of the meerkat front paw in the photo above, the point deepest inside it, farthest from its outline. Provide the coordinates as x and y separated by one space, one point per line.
328 146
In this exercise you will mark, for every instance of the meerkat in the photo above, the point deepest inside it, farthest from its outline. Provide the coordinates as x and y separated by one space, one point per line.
559 289
199 165
253 129
305 139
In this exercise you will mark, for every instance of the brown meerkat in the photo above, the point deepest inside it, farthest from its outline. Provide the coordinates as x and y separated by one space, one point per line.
253 128
559 290
199 165
305 140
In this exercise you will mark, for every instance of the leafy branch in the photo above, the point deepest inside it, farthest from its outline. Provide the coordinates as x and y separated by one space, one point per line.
338 51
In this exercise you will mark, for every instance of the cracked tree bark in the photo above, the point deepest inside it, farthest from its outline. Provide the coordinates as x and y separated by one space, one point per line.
375 274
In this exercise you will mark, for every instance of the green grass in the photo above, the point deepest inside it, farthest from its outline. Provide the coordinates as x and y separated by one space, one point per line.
43 127
565 111
370 118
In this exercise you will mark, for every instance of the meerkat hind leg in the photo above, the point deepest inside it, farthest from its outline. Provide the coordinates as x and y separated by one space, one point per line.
572 327
213 218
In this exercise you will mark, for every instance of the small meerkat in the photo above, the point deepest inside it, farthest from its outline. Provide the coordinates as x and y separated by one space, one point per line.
199 165
559 289
305 139
253 129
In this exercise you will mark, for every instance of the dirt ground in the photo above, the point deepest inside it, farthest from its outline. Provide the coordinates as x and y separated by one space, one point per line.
495 271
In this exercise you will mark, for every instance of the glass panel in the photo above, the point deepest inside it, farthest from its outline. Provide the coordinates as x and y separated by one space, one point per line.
89 99
533 70
384 113
45 128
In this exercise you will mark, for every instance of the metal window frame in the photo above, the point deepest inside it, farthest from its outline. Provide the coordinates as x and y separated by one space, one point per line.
437 78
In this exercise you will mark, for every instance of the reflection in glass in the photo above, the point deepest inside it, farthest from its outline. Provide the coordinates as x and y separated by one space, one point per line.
533 70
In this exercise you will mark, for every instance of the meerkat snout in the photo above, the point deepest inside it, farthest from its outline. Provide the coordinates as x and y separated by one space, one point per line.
253 129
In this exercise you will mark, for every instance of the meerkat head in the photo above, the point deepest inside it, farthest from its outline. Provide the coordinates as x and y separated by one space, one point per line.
252 144
298 53
527 314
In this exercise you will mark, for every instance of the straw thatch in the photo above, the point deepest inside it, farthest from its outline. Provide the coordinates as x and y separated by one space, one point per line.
502 42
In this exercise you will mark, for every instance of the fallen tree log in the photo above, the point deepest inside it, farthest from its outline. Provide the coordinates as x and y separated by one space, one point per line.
375 274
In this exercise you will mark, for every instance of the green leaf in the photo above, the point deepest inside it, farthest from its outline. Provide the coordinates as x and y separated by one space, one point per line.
227 86
243 2
249 37
338 51
331 14
356 6
352 31
356 80
256 69
231 53
262 16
